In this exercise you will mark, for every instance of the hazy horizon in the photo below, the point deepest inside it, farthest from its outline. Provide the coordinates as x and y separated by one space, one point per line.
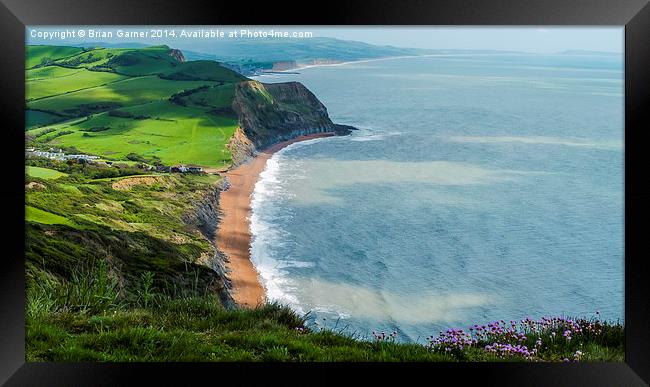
530 39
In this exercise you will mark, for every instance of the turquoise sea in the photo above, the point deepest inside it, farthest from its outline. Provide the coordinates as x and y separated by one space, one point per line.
477 188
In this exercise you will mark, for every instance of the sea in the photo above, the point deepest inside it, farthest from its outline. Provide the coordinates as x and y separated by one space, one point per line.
477 188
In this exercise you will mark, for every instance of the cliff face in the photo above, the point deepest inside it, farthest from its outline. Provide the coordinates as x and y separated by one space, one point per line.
205 217
268 114
178 54
284 65
272 113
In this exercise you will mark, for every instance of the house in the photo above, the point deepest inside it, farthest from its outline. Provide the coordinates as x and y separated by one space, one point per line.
49 155
82 157
179 169
186 169
57 154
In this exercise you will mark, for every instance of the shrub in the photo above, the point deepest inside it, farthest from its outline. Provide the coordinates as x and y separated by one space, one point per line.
120 113
96 129
91 289
44 132
147 291
135 157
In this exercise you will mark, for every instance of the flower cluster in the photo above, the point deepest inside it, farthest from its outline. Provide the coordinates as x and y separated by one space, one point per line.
507 350
567 326
383 336
525 338
452 339
577 355
498 330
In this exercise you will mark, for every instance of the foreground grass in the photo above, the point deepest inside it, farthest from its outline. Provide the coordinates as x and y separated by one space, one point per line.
115 273
199 329
87 319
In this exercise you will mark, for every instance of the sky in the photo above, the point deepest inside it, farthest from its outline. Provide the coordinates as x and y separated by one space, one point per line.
528 39
537 39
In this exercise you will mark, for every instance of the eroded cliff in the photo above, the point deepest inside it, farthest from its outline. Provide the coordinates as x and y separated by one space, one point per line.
272 113
205 216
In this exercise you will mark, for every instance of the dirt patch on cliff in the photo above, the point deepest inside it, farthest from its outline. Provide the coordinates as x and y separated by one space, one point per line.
34 185
240 147
130 182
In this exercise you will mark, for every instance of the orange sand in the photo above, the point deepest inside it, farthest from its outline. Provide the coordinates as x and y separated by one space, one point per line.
233 236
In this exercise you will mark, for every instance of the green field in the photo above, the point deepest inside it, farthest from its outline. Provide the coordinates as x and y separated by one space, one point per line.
44 173
37 54
135 62
214 97
62 80
41 73
116 102
33 214
202 70
173 133
127 92
90 58
34 119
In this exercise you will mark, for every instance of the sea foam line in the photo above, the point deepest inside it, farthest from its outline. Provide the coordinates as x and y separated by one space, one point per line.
265 233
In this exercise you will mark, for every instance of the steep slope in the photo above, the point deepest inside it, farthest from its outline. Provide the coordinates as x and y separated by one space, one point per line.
271 113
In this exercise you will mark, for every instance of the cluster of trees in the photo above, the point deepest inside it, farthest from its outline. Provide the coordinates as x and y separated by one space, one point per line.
84 169
75 61
125 114
153 160
179 98
96 129
55 135
87 109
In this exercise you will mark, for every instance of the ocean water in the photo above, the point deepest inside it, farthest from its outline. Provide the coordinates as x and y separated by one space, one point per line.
477 188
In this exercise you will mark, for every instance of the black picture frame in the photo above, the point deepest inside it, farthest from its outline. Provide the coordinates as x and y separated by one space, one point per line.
633 14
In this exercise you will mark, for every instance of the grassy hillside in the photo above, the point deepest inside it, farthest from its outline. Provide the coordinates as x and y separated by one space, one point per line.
37 215
52 81
126 92
204 70
112 102
173 133
132 221
44 173
39 55
36 119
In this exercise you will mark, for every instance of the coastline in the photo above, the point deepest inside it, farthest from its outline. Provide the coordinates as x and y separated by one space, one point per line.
233 236
307 66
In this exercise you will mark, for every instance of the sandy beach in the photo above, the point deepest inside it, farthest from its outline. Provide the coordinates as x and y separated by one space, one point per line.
233 236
